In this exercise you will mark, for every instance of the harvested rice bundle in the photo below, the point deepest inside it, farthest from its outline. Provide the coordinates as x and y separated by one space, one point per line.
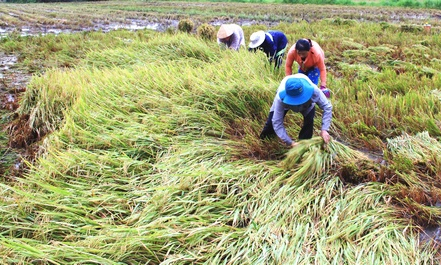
316 150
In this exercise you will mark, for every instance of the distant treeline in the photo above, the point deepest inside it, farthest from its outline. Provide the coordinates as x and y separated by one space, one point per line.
48 1
435 4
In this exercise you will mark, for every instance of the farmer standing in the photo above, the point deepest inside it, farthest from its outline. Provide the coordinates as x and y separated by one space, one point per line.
297 93
231 35
273 43
311 60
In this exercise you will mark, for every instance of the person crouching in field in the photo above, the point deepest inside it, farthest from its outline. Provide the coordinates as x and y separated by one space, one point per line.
273 43
311 60
297 93
231 35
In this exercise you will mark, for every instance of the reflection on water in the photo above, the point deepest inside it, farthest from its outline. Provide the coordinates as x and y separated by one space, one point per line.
10 77
6 61
431 234
10 98
130 24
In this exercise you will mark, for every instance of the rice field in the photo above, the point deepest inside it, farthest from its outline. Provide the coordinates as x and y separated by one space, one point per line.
147 151
53 18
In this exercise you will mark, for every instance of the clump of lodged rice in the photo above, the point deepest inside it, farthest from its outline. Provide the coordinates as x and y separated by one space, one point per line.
186 25
206 31
317 155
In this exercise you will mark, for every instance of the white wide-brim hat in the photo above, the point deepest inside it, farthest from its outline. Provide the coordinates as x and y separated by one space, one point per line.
256 39
225 31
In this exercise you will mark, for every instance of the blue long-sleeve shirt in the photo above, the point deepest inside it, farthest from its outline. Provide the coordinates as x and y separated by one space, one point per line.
279 107
274 42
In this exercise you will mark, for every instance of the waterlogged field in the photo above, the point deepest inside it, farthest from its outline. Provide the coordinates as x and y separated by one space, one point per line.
145 146
43 18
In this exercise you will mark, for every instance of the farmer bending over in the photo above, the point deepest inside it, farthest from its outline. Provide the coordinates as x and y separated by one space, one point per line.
273 43
311 60
231 35
296 92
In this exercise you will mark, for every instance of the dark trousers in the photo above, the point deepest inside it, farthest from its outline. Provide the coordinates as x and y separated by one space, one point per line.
277 61
305 132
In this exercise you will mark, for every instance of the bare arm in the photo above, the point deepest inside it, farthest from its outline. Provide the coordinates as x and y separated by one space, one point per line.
289 62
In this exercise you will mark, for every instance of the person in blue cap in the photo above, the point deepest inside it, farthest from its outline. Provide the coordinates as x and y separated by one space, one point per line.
273 43
297 93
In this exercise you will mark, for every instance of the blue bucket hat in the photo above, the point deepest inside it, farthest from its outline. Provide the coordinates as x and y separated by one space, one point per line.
297 91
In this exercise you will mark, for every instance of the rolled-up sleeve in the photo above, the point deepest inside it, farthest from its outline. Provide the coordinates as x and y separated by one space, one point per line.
326 106
278 117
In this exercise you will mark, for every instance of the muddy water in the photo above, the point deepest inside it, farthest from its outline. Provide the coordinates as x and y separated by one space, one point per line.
12 83
11 79
131 24
431 233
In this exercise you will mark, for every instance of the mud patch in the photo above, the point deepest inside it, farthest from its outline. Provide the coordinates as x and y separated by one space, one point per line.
13 83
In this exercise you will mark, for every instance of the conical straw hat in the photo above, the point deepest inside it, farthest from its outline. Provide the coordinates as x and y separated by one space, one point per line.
225 30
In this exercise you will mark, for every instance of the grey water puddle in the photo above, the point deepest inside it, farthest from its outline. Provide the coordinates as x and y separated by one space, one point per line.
10 98
12 83
7 61
135 26
431 234
129 24
11 79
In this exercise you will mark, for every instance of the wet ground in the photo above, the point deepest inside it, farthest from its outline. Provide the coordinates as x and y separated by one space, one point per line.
161 15
130 24
12 83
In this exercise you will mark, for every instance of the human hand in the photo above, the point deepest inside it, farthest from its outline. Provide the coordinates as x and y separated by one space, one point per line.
325 91
325 135
293 144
